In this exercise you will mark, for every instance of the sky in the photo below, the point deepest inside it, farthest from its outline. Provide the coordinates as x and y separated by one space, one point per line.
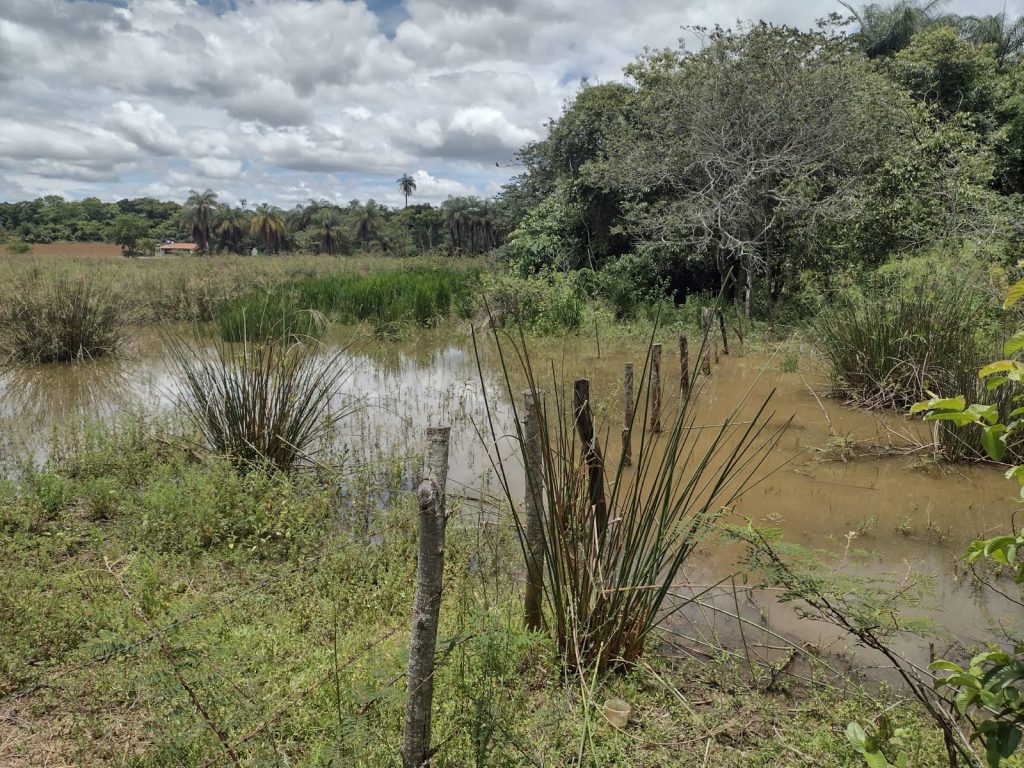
285 100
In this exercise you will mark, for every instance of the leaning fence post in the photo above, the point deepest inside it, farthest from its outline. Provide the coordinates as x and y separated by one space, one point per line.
627 415
656 388
721 327
532 458
430 496
684 364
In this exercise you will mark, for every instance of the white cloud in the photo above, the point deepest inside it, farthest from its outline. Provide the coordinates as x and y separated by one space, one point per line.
282 100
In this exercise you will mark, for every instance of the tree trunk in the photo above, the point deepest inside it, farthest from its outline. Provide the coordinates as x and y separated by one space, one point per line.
532 458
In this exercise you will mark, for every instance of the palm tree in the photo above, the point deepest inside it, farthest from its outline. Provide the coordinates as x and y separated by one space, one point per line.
268 225
1006 34
332 236
406 185
368 221
230 226
889 29
198 213
455 213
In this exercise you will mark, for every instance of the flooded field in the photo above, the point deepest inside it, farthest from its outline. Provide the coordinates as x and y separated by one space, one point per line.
893 517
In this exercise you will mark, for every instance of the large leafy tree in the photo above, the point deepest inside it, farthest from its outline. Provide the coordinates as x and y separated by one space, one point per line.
1003 32
406 185
200 209
231 226
732 149
369 219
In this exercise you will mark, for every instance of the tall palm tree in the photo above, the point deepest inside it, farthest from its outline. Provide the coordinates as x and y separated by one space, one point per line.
198 213
406 185
1005 33
332 236
231 225
368 221
455 213
889 29
268 225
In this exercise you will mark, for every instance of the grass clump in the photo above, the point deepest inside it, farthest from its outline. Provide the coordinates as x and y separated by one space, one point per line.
59 318
260 404
268 317
886 345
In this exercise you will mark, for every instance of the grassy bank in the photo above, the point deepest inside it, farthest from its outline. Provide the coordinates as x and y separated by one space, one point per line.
141 579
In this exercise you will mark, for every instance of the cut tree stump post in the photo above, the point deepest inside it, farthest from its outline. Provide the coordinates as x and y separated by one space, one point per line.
656 388
684 364
721 327
627 415
430 496
532 458
705 363
592 458
705 326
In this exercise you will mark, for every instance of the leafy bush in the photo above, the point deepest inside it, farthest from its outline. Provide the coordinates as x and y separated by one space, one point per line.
17 246
262 405
46 318
548 303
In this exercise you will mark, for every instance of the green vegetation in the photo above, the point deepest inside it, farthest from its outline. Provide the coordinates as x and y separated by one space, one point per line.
58 318
291 628
421 295
260 404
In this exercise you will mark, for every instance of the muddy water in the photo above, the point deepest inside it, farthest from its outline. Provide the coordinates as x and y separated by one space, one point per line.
891 517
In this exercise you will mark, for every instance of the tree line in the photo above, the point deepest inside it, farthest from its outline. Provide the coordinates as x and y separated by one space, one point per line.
465 225
769 153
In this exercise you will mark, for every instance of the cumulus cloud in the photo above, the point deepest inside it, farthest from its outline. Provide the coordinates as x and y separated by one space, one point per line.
282 100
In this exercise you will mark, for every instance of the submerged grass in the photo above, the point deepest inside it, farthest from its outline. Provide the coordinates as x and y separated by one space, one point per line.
59 318
420 295
260 404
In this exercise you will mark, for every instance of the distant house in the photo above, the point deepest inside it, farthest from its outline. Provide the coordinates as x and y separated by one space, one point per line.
168 249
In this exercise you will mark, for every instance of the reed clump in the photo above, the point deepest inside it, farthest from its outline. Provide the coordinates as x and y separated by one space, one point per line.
616 536
262 404
887 344
269 317
60 318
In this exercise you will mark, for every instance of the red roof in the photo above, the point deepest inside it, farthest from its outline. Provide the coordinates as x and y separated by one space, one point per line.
179 247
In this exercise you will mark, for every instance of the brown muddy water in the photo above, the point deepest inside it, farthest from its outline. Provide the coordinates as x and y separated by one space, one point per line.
893 518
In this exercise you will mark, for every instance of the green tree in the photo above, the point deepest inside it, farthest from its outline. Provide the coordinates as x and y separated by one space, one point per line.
885 30
231 226
368 219
406 185
268 225
129 230
199 211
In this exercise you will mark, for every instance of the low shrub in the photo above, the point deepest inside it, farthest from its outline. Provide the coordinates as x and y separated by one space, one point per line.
47 318
547 303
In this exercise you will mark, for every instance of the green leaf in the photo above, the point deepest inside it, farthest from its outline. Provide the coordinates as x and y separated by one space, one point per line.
1001 366
1014 343
856 736
991 440
957 403
1015 294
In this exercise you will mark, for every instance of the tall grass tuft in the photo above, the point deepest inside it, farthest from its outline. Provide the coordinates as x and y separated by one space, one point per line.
615 539
269 317
57 318
269 405
887 345
421 295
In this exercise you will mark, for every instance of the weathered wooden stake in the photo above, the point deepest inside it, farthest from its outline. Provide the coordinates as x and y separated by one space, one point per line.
656 388
721 327
430 496
705 325
684 364
532 458
705 363
627 416
592 457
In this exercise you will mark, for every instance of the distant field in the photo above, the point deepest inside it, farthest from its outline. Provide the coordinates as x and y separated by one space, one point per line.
72 250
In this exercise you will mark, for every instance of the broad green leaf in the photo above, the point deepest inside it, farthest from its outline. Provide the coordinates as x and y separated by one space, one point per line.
1001 366
1014 343
987 413
856 736
957 403
1015 294
991 440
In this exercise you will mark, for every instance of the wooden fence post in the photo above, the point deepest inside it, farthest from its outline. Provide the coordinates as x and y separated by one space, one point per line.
656 388
705 363
627 415
592 457
721 327
684 364
430 496
532 458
